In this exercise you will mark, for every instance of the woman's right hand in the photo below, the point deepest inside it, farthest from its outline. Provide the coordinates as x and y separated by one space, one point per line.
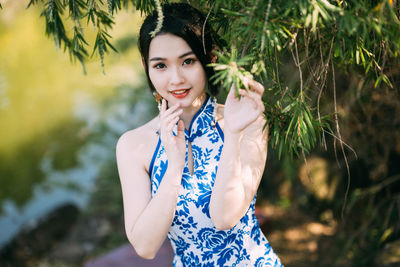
175 146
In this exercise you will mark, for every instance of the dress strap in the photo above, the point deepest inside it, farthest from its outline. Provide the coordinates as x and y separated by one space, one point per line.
154 156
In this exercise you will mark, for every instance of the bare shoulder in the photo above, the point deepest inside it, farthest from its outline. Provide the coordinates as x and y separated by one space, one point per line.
138 144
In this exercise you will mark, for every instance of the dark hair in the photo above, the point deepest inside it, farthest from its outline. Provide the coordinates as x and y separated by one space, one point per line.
185 21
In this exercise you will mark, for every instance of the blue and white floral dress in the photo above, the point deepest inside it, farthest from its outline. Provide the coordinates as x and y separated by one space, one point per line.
194 238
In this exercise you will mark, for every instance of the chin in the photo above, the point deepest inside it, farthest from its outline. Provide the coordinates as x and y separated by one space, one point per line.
184 103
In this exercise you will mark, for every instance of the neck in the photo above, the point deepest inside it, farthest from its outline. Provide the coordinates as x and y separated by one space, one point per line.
189 112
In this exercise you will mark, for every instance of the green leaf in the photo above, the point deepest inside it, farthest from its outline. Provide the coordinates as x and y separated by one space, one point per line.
232 13
357 57
288 107
75 8
307 116
276 131
368 67
314 18
330 7
378 81
113 5
291 124
388 232
280 148
386 80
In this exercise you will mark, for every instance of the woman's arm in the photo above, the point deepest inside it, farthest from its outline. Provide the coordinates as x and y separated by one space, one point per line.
243 157
147 218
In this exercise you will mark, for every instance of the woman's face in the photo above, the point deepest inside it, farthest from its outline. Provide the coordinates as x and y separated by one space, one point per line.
175 71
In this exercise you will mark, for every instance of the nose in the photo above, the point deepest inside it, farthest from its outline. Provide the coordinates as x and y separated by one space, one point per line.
177 76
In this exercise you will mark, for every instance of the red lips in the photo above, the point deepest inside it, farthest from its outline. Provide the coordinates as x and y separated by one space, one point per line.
180 93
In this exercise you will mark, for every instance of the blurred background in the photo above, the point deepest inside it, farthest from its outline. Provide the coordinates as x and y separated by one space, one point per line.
58 130
60 196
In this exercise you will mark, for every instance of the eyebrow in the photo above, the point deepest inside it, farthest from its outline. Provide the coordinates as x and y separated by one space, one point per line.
163 59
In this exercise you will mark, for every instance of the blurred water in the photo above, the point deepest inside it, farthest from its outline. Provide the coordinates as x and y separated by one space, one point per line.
44 201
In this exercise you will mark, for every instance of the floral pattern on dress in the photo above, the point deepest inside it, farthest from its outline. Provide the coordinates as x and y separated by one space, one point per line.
193 236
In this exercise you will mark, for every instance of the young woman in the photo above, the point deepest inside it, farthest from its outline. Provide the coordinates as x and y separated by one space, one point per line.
192 172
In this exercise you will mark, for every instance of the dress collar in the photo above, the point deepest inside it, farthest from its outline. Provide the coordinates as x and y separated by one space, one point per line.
202 121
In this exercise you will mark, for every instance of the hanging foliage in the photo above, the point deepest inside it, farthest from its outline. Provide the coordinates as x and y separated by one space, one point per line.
319 36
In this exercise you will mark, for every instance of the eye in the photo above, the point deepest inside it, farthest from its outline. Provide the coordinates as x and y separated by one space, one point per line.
159 66
188 61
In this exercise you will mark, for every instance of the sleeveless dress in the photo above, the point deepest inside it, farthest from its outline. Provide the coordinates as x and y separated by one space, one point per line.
194 238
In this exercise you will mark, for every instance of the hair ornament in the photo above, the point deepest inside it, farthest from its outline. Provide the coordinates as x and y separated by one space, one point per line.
160 19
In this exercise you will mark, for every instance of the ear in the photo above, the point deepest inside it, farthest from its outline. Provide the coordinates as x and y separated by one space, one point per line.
143 64
214 57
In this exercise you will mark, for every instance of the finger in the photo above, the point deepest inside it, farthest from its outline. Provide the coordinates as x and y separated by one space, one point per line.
171 124
246 94
168 111
167 118
181 129
166 134
256 86
260 105
170 121
254 97
163 106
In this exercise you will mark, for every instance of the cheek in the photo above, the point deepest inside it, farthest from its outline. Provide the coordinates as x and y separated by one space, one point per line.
203 79
156 79
200 76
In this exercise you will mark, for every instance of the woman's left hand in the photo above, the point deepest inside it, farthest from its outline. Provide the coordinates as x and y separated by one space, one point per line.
240 113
